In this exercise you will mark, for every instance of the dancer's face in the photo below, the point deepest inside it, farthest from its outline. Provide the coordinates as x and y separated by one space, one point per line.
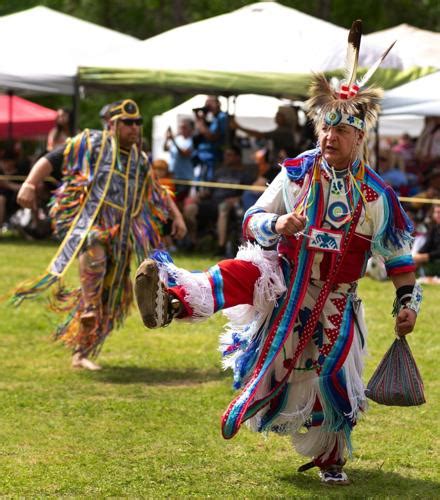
128 132
339 144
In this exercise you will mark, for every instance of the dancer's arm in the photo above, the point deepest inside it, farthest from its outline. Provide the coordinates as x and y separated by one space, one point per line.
27 195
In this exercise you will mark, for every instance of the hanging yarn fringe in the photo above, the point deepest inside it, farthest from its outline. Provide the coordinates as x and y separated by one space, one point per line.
31 289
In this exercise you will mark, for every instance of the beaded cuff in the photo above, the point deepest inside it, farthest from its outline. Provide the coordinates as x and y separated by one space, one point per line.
409 297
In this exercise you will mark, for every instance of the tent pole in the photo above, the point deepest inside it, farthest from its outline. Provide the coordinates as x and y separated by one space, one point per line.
229 138
10 111
376 145
75 105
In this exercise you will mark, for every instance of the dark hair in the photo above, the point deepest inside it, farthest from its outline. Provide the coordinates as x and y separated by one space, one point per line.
9 154
188 121
70 120
235 148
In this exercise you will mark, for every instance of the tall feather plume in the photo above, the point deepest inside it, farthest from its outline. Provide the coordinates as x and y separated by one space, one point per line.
364 104
324 99
373 68
354 44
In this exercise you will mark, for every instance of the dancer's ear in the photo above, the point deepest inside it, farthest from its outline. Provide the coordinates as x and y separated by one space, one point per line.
360 137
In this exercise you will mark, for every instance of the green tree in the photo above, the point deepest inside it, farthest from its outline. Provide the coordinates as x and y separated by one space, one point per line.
146 18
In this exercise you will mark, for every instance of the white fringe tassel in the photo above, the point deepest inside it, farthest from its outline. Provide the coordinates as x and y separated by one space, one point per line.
246 320
316 442
270 285
303 392
198 291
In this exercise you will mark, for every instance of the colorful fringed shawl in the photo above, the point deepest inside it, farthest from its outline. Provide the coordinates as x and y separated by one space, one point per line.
255 362
245 406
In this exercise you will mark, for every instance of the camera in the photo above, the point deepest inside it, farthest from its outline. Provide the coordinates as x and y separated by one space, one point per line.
204 110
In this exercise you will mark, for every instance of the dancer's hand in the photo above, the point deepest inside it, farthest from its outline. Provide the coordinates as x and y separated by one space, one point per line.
290 224
27 196
178 228
405 322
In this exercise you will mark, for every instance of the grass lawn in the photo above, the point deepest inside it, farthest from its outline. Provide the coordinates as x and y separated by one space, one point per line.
148 424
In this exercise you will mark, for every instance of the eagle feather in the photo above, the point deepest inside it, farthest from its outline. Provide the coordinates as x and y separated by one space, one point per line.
353 47
373 68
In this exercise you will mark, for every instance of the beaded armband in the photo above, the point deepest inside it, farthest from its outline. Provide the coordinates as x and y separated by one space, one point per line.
408 296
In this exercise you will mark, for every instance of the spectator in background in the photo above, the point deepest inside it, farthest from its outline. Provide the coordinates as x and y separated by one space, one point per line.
428 255
308 137
392 174
427 149
62 130
432 190
284 136
218 203
404 154
10 165
282 155
161 170
266 173
229 200
211 134
420 230
181 149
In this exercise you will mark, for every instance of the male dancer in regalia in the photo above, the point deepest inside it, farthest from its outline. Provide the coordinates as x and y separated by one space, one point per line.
108 206
296 338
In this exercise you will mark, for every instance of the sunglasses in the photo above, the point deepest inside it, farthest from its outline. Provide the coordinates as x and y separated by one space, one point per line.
132 121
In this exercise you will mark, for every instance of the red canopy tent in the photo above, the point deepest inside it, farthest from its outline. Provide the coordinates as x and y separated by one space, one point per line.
20 118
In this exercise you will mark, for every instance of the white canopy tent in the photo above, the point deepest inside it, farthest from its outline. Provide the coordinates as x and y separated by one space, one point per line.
431 108
263 44
421 96
395 126
261 37
42 49
415 47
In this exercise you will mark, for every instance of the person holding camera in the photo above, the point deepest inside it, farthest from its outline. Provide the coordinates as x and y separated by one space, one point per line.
211 132
282 138
181 148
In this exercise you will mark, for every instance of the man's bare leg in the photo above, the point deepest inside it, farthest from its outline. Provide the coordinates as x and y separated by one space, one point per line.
92 268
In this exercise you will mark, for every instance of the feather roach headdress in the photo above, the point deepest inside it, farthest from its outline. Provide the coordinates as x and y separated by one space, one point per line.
350 102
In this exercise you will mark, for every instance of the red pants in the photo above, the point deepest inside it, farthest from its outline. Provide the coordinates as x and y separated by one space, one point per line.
232 283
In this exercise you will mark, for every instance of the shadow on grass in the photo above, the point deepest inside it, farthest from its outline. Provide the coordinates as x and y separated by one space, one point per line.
157 376
365 483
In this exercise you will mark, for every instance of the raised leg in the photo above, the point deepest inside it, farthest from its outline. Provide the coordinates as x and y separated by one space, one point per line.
198 295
